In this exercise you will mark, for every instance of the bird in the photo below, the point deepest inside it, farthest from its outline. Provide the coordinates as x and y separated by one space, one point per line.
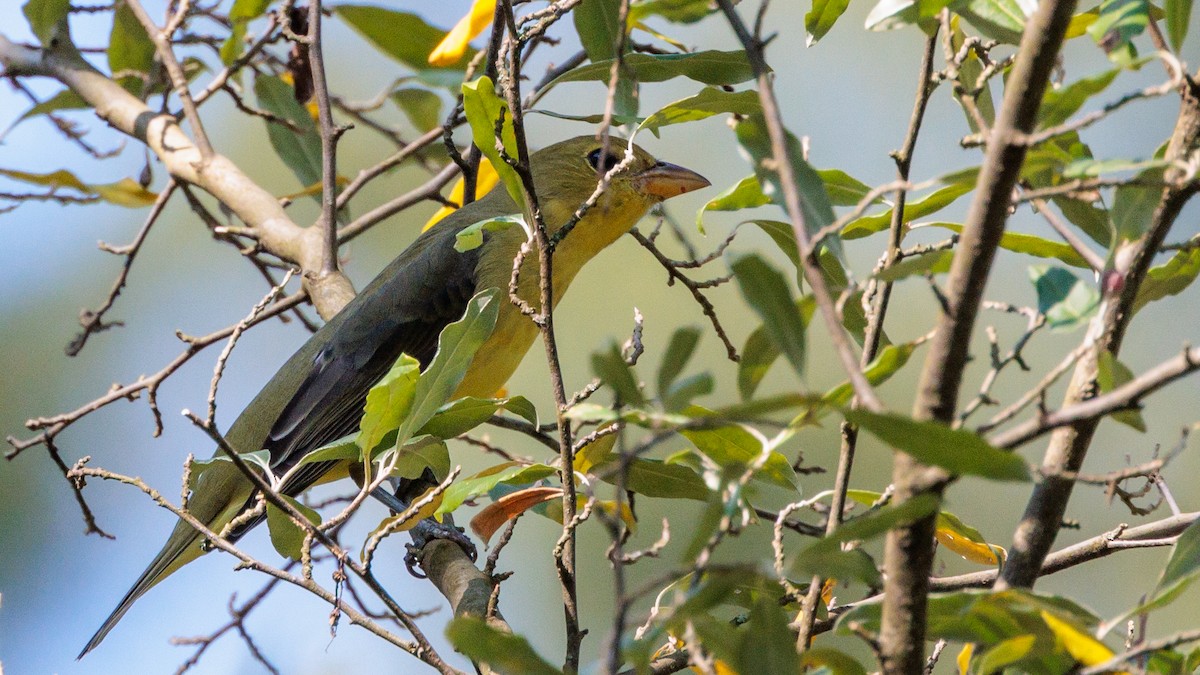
317 396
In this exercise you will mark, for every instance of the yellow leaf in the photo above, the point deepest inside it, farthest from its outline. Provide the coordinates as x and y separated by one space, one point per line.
595 453
1080 22
966 541
126 192
426 511
452 47
54 179
672 645
1082 647
827 591
315 189
964 658
554 511
974 551
610 507
485 179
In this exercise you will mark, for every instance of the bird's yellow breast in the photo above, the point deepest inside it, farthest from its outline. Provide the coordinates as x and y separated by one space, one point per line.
514 333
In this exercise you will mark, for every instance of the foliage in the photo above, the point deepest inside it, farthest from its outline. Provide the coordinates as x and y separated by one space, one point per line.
660 424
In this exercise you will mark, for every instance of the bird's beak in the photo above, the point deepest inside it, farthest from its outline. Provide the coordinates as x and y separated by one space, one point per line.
665 180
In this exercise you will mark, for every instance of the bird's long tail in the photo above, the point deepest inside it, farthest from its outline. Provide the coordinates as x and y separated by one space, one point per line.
170 558
221 494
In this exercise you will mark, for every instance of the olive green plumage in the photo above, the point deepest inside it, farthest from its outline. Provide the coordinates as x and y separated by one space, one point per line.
317 396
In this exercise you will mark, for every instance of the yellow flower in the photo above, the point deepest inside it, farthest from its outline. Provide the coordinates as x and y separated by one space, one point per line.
452 47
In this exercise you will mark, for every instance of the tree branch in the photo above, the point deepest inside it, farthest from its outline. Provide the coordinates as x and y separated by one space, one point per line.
908 553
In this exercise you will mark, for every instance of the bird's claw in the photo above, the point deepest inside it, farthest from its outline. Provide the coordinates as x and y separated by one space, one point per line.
428 530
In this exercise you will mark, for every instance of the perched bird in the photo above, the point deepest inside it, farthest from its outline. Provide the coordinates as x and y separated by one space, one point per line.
319 393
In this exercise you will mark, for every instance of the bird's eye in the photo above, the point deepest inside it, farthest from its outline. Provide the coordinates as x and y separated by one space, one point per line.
612 159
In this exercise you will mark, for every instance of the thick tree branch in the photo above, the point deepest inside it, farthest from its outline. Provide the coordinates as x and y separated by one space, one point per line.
908 554
260 210
1044 512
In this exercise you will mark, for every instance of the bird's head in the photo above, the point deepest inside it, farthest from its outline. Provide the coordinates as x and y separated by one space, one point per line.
565 175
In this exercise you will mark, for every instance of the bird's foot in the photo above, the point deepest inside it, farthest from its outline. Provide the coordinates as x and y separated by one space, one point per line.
426 531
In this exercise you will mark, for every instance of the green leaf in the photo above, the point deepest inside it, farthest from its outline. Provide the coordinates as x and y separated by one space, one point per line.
421 453
821 17
1028 244
1062 297
406 38
609 365
66 99
259 459
892 14
1002 20
784 237
844 189
44 16
956 450
919 208
484 481
471 236
1111 374
760 351
464 414
1004 654
934 262
832 661
710 101
503 652
707 67
245 10
457 345
1094 222
991 618
1179 15
675 11
814 201
675 358
1134 205
734 446
301 152
1118 23
826 557
1060 103
767 293
422 106
1170 278
234 45
483 108
681 393
888 362
286 536
343 448
653 478
767 645
746 194
129 48
758 354
597 22
388 402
